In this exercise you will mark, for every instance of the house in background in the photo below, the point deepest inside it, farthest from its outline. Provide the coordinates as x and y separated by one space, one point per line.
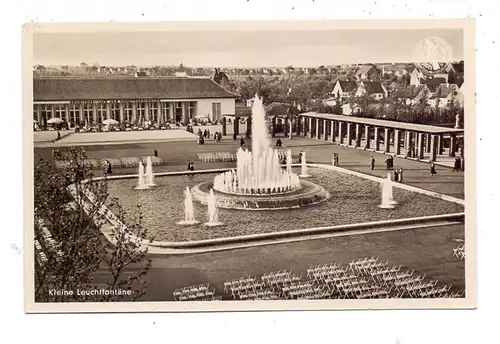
444 96
344 89
367 72
413 94
433 83
374 89
415 76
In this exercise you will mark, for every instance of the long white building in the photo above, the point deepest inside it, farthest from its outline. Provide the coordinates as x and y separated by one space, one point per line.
80 100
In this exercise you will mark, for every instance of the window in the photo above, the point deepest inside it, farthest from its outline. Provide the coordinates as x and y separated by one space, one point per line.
216 111
153 112
45 112
178 112
74 113
128 112
60 111
141 112
101 112
165 112
191 109
115 111
88 113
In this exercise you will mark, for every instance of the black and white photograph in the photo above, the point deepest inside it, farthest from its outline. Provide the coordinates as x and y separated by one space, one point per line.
249 165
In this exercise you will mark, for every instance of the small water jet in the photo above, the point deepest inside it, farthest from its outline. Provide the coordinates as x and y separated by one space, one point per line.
289 161
213 216
188 209
303 168
388 201
141 181
149 177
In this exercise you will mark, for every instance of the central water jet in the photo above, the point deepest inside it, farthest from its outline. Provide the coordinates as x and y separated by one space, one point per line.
259 171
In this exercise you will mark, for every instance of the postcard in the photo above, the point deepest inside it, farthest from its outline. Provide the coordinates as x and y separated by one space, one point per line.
249 165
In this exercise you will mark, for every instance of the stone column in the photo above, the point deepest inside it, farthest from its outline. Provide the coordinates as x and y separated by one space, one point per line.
341 124
94 112
317 129
440 145
349 133
357 137
376 139
121 111
428 142
134 112
332 131
453 145
420 144
325 130
80 111
224 128
367 136
387 140
310 130
249 127
108 110
38 113
66 112
159 112
236 126
433 147
171 111
185 117
397 141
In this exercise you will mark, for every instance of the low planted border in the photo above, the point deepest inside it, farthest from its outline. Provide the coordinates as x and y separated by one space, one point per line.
209 243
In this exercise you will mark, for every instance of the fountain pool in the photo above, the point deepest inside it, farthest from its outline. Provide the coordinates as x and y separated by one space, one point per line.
352 200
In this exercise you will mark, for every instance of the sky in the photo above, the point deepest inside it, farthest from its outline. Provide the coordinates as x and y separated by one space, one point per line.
237 48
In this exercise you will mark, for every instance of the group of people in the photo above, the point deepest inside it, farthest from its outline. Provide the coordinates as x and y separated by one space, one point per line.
389 164
190 166
279 143
205 134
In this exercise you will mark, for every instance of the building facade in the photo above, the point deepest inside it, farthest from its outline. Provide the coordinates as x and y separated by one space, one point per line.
84 100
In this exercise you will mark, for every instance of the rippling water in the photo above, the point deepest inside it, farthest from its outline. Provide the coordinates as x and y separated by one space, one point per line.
353 200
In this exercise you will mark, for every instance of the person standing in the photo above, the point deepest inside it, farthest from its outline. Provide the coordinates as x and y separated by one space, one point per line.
456 165
155 153
372 163
396 175
400 173
336 159
433 168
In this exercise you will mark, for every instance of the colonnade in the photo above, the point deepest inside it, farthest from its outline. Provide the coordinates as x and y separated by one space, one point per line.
383 138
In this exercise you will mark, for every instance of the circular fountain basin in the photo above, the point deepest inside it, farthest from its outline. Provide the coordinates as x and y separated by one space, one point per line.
307 195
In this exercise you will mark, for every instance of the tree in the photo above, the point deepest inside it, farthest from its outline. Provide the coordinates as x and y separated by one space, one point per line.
69 243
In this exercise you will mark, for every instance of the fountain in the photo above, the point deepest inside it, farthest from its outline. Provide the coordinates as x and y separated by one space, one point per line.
257 172
188 209
213 218
259 181
388 201
303 166
141 182
149 173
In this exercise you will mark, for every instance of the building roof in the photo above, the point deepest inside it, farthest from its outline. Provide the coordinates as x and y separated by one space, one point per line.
431 129
116 88
410 92
348 86
364 69
443 91
278 109
433 83
373 87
